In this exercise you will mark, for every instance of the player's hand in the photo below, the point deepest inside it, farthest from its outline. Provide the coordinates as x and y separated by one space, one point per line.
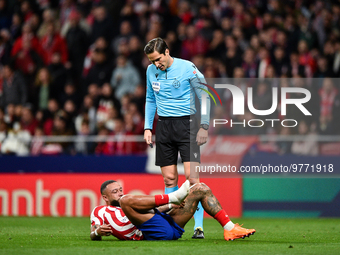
202 136
174 206
148 136
104 230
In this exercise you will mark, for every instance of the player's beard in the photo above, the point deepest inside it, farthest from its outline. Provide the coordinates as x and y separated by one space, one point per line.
114 203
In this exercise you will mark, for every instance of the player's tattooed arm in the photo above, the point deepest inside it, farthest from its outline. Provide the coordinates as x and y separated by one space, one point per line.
93 235
97 231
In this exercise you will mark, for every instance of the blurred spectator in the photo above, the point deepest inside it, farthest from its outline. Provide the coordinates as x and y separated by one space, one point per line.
71 110
16 142
233 55
308 145
94 93
294 67
15 27
280 62
216 45
82 146
329 105
3 131
322 70
9 117
264 62
77 42
88 113
120 146
139 98
46 117
37 143
4 51
249 63
136 54
136 117
99 44
28 60
102 147
336 62
329 51
75 17
125 103
35 22
5 20
194 44
66 8
48 16
26 10
44 88
28 121
52 42
102 25
101 71
59 75
306 59
125 77
284 147
220 113
70 93
61 127
28 40
262 99
123 37
107 101
13 87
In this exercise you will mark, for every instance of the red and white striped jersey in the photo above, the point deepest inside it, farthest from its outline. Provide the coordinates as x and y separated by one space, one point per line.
97 215
114 216
121 226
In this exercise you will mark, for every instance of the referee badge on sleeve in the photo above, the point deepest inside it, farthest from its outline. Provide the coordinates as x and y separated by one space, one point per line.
156 86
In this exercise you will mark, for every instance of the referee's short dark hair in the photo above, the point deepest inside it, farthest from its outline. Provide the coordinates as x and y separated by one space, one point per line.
103 186
156 44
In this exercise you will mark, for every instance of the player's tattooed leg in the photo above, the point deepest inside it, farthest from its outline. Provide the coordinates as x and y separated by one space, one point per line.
199 192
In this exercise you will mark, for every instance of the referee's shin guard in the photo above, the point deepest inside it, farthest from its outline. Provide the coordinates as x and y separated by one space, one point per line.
198 216
169 190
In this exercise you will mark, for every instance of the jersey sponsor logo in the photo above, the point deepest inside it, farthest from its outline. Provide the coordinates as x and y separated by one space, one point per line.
156 86
176 84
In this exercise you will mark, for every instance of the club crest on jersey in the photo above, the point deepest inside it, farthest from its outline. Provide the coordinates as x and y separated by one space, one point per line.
156 86
176 84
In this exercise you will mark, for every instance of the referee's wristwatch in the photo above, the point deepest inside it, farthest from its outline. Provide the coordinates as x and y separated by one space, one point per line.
204 126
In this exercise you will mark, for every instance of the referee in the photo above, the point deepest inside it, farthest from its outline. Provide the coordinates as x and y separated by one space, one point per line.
172 84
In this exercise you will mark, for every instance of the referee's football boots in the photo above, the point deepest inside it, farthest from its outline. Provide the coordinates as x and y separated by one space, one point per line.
198 233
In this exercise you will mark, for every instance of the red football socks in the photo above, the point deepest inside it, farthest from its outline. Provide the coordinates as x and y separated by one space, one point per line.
222 217
161 199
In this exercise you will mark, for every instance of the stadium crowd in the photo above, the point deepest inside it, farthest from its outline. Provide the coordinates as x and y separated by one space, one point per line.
77 67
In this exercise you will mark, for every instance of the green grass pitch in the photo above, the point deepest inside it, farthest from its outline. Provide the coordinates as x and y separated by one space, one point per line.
46 235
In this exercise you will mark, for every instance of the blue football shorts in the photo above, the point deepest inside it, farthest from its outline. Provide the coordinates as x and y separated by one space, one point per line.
161 227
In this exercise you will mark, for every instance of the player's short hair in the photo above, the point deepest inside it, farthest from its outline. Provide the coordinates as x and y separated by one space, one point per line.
156 44
103 186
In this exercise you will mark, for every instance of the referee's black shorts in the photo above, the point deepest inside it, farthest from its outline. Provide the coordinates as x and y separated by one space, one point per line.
176 134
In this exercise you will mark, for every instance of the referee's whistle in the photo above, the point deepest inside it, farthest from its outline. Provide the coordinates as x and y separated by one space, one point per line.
151 146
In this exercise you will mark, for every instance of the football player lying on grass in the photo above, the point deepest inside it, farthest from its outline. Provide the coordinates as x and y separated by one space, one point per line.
135 217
